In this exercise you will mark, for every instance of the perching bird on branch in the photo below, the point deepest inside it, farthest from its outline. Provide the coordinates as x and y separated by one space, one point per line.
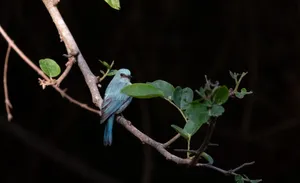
114 102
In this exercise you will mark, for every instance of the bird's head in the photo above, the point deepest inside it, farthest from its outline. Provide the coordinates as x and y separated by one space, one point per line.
124 74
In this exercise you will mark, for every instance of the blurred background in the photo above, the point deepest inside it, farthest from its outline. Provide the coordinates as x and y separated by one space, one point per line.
52 140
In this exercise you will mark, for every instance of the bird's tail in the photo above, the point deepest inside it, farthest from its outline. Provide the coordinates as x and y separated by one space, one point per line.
107 139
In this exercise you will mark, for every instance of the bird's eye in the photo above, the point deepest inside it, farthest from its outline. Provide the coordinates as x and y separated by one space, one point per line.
122 75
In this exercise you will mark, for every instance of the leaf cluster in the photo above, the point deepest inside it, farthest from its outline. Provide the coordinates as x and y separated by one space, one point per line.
197 107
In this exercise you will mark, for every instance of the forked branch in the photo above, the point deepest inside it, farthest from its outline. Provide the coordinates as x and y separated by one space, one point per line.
91 81
73 50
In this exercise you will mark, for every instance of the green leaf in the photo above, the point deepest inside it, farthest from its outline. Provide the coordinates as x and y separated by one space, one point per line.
221 95
242 93
233 75
142 90
49 67
182 97
105 64
115 4
176 97
197 112
208 158
239 179
112 72
201 92
182 132
239 95
207 103
197 115
191 127
165 87
102 72
216 110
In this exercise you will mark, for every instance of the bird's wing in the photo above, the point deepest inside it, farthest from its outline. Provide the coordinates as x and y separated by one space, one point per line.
113 100
124 105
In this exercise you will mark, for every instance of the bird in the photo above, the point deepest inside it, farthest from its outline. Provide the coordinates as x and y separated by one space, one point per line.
114 102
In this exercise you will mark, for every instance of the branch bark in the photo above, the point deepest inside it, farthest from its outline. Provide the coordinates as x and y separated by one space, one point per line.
91 81
205 143
41 73
8 105
160 147
73 50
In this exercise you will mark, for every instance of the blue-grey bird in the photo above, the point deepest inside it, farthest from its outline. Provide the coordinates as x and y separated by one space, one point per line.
114 102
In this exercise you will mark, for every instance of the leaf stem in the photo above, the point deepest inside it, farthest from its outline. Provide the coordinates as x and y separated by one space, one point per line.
107 71
188 147
182 114
239 81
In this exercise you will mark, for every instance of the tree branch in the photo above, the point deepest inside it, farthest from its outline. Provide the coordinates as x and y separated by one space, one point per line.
91 81
206 141
41 73
229 172
147 140
8 105
73 50
69 65
169 142
161 149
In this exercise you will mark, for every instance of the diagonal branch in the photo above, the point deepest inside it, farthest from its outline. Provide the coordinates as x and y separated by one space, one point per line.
230 172
147 140
173 139
8 105
69 65
169 156
160 147
206 141
73 50
41 73
91 81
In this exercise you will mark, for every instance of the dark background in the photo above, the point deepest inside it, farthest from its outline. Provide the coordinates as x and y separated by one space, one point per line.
52 140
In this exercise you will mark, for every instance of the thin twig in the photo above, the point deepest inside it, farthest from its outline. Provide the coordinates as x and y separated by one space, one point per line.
228 172
107 71
91 81
177 136
185 150
242 166
8 105
73 50
41 73
168 143
69 65
127 124
147 140
160 148
205 143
